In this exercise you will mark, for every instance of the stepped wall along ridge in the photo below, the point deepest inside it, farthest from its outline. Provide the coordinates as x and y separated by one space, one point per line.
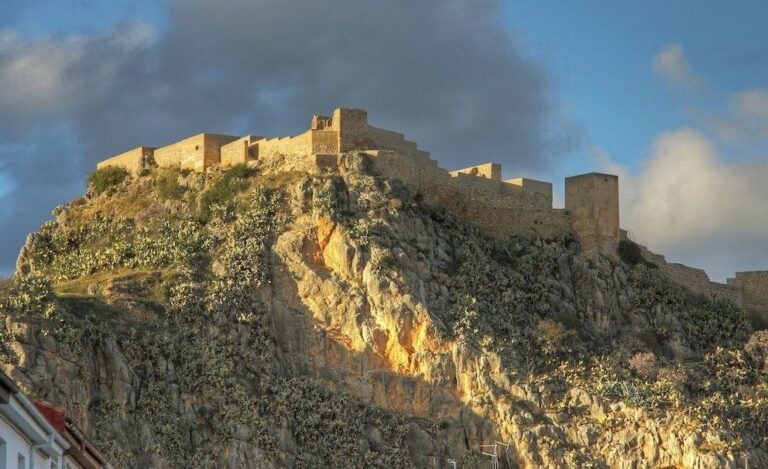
517 206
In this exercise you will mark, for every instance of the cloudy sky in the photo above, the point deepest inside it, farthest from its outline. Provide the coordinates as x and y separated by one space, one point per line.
672 96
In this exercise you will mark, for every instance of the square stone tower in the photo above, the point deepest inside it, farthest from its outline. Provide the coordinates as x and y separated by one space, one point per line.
754 291
592 202
352 126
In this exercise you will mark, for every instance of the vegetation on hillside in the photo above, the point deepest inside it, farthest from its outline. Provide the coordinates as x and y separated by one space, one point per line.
629 252
194 252
501 303
168 186
505 299
103 178
201 267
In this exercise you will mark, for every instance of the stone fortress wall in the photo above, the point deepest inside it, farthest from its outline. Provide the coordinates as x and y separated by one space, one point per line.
746 289
478 194
134 161
500 208
754 290
695 280
196 153
238 151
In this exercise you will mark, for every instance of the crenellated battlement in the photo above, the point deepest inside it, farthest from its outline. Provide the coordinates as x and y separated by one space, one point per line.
477 193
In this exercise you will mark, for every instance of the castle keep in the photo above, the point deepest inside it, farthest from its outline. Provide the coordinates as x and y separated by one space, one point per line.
478 194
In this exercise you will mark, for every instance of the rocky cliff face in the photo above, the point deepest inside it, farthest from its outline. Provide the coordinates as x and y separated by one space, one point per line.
256 318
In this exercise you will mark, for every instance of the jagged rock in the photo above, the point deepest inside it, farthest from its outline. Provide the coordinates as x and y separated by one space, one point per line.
359 329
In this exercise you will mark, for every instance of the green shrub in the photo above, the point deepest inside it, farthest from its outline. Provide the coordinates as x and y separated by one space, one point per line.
644 364
325 200
7 354
224 190
709 323
629 252
168 186
104 178
329 426
631 393
556 342
6 285
653 288
757 349
31 295
239 171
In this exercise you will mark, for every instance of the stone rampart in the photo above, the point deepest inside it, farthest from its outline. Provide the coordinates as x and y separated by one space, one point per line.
698 281
346 130
748 290
477 194
279 146
532 185
295 163
311 141
522 206
380 139
238 151
695 280
134 161
499 209
754 289
324 141
196 153
486 170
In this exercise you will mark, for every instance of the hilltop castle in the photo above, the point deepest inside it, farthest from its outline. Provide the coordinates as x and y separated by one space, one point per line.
478 194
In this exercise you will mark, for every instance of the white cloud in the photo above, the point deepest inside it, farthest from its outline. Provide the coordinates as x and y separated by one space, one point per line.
671 64
688 203
45 76
749 114
752 103
742 119
265 67
34 72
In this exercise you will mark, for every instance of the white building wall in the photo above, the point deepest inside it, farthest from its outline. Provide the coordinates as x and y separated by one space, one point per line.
20 430
13 444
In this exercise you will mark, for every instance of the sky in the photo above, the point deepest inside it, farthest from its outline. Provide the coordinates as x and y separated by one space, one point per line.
671 96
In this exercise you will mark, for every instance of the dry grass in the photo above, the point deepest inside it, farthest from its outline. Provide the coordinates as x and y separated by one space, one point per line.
153 278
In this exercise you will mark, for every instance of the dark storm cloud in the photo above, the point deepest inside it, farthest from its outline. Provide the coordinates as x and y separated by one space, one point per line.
445 72
46 86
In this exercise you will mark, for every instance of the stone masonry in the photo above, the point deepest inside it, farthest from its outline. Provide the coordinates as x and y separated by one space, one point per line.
477 193
747 289
754 289
592 200
134 161
500 208
196 153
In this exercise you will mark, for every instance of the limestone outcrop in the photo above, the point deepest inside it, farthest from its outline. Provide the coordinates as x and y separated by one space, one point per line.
260 318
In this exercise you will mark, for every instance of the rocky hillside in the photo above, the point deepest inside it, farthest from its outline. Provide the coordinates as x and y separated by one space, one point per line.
256 318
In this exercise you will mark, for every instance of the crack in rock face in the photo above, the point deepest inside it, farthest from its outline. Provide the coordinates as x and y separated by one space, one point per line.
335 319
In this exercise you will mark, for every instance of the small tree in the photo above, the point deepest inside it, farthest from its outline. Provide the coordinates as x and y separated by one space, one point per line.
757 348
224 190
104 178
168 186
31 295
629 252
644 364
